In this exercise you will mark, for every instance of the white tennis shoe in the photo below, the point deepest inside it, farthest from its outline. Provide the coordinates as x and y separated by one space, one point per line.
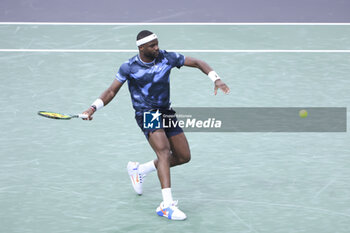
135 176
171 211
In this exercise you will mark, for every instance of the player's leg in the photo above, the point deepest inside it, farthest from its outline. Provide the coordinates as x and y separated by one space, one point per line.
161 146
137 172
180 150
180 154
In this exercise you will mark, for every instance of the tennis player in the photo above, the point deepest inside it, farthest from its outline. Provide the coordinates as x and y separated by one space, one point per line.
147 75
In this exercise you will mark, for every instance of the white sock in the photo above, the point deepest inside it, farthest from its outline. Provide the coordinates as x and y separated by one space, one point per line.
167 196
146 168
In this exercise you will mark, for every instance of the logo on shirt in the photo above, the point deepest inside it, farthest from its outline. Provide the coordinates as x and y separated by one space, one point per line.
151 120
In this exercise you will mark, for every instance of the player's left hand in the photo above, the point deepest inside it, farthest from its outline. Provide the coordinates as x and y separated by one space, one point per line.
221 85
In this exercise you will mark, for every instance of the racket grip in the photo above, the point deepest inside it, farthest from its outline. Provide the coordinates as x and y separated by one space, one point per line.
84 116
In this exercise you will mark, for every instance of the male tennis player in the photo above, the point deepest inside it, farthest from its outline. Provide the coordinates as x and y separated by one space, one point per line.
147 75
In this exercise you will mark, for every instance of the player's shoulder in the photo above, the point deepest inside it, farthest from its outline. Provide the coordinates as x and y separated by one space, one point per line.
126 66
173 58
165 52
170 54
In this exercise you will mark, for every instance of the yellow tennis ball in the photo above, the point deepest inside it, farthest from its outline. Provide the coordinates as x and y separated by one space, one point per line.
303 113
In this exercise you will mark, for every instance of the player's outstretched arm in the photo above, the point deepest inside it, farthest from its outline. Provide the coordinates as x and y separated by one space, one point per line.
205 68
104 99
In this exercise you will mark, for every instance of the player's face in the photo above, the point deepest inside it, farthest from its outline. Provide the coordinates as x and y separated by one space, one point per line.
151 49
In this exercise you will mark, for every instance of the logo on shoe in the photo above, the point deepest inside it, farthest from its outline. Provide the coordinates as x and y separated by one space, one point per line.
165 213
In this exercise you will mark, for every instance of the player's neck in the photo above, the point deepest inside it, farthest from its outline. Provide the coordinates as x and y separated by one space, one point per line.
146 59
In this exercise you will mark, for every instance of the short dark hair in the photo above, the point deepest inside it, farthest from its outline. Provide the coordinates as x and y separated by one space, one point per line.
143 34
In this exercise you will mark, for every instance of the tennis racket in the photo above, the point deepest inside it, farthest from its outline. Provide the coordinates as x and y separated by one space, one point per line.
59 116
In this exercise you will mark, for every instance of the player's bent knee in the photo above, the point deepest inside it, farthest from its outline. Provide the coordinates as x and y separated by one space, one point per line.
185 158
188 158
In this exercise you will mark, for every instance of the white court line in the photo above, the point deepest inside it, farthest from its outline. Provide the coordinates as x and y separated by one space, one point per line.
177 50
173 24
169 24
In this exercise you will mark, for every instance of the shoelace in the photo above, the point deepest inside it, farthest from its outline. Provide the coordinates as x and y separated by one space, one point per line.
141 177
175 203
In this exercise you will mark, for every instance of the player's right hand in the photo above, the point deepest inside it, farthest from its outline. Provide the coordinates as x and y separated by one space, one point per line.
89 113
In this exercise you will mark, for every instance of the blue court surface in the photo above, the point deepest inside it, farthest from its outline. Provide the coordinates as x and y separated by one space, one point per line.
70 176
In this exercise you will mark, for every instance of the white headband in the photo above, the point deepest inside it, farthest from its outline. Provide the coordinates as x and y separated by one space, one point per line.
146 39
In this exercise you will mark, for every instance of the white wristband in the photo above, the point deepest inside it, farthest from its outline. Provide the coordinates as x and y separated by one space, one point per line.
213 76
98 104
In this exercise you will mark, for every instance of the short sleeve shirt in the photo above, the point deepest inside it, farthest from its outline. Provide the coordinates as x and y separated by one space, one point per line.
149 82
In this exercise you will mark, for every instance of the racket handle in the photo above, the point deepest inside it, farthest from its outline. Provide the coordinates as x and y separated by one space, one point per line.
84 116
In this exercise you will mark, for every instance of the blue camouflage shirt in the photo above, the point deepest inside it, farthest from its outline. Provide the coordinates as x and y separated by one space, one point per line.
149 82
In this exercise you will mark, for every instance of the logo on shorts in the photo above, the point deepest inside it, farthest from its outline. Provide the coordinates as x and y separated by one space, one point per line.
151 120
